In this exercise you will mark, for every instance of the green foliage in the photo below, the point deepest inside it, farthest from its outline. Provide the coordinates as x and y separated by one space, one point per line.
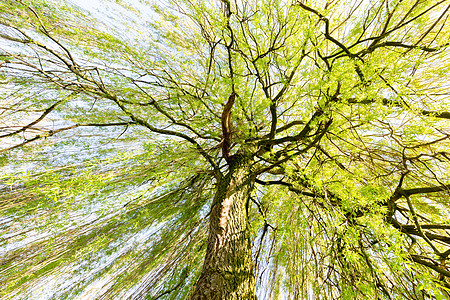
111 137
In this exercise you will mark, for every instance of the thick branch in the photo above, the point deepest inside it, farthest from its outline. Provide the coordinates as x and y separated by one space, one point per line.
424 190
302 134
226 127
385 101
434 266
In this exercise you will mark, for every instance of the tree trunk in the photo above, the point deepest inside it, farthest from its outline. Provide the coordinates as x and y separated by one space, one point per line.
228 267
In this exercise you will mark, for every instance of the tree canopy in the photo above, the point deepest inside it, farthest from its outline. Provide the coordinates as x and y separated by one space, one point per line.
177 149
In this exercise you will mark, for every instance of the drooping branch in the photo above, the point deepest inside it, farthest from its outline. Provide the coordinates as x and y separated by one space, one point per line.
40 118
83 83
419 227
152 128
50 133
306 188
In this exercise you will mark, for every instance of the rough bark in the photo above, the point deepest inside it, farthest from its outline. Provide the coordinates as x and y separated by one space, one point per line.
228 267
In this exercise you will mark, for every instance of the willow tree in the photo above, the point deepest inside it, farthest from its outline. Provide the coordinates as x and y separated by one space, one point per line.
264 149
